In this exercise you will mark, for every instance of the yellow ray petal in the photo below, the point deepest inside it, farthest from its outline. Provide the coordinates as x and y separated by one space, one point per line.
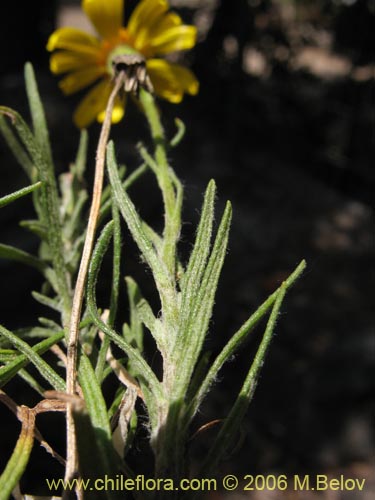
169 20
144 15
118 110
80 79
178 38
162 23
64 61
92 104
171 81
105 15
75 40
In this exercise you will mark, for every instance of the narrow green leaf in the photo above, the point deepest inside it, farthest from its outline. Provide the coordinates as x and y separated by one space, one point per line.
37 115
41 332
36 332
12 253
136 328
116 263
107 190
72 226
236 342
198 376
134 222
73 256
49 203
127 183
147 158
30 380
147 376
192 278
7 355
233 421
154 325
25 136
97 457
20 456
134 176
43 368
181 129
116 402
36 227
49 323
128 211
47 301
10 369
16 147
5 200
190 343
153 236
93 397
145 314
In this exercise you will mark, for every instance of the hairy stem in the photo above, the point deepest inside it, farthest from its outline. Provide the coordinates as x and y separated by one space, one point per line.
71 372
165 181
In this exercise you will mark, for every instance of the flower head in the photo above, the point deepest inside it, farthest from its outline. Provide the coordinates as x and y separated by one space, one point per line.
152 31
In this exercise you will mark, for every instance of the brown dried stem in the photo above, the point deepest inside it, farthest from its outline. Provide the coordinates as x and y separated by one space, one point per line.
71 372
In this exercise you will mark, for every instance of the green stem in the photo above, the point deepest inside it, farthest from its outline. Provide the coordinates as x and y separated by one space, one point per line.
172 198
165 181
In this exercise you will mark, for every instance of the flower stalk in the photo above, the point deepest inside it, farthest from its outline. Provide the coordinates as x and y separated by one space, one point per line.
168 183
71 370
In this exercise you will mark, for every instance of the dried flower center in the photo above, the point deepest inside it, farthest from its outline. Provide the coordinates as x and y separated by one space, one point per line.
126 60
120 50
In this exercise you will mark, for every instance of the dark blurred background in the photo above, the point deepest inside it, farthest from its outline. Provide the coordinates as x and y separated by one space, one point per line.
284 122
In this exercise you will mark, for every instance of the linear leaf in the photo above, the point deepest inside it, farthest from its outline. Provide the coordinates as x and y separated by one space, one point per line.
236 342
106 199
73 224
17 148
134 296
24 134
126 184
162 279
154 325
37 115
43 368
146 374
48 200
116 263
181 128
5 200
20 456
190 344
47 301
12 253
232 422
7 355
191 281
93 396
8 371
30 380
36 227
96 458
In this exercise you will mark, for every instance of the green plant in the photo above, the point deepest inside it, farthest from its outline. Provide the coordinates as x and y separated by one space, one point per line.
100 437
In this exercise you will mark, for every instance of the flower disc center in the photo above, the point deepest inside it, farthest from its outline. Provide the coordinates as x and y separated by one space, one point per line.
119 50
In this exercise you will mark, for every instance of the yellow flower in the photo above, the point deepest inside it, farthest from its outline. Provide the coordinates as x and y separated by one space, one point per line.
152 31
